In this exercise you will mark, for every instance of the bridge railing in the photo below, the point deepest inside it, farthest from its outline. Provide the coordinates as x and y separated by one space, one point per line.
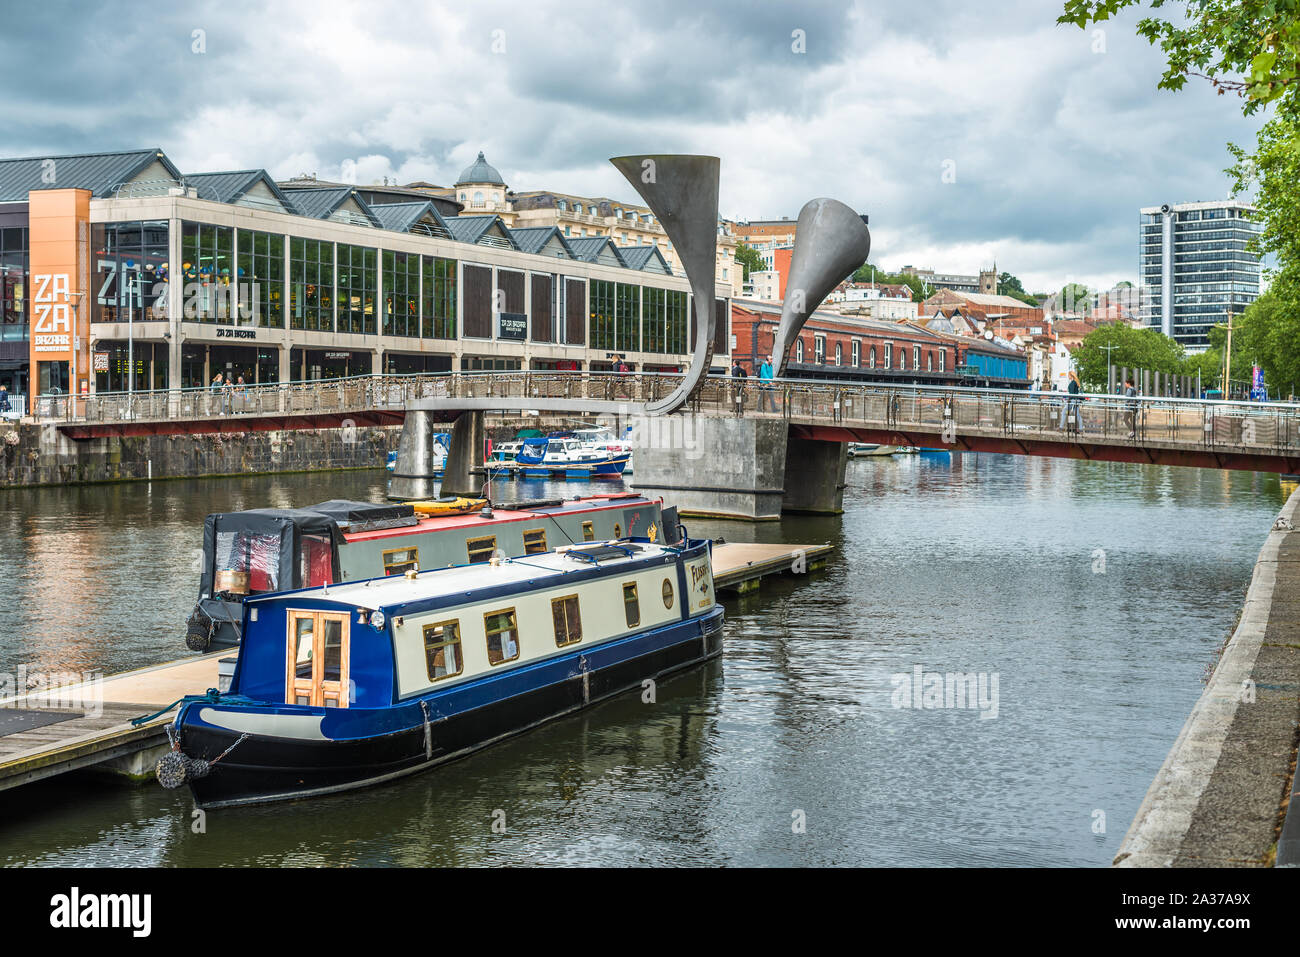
1055 416
355 394
928 410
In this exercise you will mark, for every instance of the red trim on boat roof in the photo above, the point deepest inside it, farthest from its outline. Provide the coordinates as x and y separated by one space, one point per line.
500 516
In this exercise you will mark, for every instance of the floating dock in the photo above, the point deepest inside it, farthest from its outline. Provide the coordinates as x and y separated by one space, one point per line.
50 732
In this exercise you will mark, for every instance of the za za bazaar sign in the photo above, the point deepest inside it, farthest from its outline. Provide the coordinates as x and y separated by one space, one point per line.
52 300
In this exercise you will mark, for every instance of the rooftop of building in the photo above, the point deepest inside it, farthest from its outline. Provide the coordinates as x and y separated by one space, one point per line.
480 172
149 172
101 173
1200 204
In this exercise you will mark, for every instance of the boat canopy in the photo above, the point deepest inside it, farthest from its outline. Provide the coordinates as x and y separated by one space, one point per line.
273 549
533 451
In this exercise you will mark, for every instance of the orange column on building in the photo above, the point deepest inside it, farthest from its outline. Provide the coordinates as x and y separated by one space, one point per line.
781 263
59 243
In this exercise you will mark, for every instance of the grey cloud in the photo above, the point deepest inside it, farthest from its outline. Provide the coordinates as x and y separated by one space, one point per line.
1055 147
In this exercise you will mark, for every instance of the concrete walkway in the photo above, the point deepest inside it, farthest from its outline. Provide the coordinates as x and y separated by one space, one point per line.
1219 797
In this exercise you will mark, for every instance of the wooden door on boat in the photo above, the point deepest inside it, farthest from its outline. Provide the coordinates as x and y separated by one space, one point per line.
317 660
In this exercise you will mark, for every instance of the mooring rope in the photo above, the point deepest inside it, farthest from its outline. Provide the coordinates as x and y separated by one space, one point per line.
213 696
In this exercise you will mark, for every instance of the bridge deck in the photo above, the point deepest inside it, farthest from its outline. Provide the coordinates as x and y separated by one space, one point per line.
1170 431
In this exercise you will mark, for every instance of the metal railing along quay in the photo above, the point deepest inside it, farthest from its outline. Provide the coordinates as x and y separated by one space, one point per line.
1269 428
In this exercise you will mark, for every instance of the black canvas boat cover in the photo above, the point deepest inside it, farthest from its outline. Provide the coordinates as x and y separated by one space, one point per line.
343 511
280 530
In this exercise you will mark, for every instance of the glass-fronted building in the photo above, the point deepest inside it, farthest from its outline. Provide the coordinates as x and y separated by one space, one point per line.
155 279
1195 267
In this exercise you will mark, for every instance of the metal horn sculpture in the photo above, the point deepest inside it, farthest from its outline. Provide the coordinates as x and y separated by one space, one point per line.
830 242
682 191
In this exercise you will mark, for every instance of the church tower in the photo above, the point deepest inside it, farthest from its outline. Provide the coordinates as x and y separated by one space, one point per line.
989 281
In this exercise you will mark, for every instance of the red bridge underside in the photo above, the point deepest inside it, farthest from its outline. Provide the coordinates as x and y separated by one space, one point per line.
1142 455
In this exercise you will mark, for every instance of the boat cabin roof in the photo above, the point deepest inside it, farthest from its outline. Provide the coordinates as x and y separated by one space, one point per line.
466 583
530 511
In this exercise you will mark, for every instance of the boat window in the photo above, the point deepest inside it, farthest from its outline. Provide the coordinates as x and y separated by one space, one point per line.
332 649
502 636
247 562
668 593
534 541
568 622
442 649
481 549
400 560
631 604
588 533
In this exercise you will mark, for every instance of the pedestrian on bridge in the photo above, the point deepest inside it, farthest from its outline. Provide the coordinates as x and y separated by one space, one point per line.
1070 407
1131 408
765 376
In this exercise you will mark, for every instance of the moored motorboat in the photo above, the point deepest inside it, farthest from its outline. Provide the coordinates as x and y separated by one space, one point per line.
866 449
345 686
567 455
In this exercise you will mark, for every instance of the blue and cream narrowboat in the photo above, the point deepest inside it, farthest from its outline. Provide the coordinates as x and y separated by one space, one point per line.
345 686
281 549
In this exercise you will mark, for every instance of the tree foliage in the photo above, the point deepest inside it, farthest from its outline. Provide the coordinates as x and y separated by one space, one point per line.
750 259
867 272
1009 285
1145 348
1074 297
1248 47
1265 335
1252 48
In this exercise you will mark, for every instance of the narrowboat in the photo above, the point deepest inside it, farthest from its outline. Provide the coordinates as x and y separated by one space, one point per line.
279 549
344 686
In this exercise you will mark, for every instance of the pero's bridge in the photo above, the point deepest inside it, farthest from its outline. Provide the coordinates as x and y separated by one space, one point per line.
728 450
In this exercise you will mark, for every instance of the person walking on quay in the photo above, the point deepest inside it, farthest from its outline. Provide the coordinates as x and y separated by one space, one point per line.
241 391
765 376
1071 406
228 396
1131 408
4 401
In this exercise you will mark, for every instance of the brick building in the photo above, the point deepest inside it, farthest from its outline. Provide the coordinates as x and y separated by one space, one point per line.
832 346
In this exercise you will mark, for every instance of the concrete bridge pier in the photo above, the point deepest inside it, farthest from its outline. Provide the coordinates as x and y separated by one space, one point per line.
739 468
464 473
814 476
413 473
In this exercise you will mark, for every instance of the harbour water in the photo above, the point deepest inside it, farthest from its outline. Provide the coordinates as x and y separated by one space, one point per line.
1086 599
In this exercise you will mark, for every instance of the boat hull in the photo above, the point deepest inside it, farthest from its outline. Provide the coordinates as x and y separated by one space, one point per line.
265 767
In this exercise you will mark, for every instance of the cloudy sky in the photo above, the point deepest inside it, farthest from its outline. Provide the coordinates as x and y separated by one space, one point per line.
1050 137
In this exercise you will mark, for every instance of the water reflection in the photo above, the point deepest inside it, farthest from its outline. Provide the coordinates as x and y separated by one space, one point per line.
982 564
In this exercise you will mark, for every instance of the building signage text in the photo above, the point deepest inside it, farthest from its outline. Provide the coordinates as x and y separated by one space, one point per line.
52 301
513 325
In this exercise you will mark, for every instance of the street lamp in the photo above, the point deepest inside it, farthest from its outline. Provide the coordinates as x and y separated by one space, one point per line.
1110 376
